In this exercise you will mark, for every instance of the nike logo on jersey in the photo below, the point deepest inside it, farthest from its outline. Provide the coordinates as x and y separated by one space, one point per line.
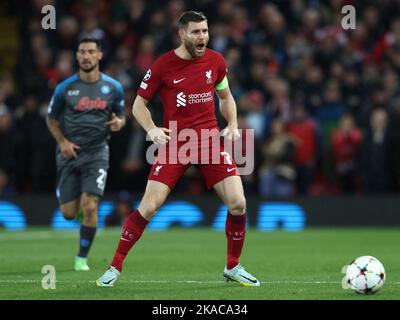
177 81
238 238
125 239
230 169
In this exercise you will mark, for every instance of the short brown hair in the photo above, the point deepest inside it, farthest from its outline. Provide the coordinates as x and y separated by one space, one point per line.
88 40
190 16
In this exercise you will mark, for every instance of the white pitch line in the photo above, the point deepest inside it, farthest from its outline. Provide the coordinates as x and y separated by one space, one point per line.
187 281
41 235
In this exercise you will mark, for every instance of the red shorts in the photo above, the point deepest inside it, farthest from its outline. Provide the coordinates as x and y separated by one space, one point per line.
217 167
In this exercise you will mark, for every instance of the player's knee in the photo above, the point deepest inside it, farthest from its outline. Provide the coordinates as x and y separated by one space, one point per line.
89 210
150 205
68 214
237 206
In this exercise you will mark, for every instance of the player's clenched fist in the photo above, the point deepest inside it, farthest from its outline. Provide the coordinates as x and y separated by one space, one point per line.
159 135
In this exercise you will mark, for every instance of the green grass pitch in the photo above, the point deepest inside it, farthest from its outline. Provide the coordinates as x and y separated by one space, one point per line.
188 263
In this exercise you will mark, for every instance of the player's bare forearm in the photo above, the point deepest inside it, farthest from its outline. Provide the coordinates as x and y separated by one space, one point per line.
227 106
54 127
142 114
228 111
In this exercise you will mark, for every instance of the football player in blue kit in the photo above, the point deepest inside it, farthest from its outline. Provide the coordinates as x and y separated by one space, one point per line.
83 111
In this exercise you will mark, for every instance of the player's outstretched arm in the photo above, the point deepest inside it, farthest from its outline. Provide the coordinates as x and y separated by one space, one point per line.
227 106
143 116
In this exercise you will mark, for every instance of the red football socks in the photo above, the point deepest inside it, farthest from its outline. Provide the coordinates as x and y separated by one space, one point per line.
235 230
131 232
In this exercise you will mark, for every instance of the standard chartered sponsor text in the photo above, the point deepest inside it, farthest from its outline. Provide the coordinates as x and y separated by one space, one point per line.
200 97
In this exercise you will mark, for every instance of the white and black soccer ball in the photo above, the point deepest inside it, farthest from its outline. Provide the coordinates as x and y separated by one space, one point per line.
365 275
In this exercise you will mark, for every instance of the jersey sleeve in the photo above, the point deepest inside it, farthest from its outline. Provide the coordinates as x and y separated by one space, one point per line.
57 103
222 69
119 103
151 82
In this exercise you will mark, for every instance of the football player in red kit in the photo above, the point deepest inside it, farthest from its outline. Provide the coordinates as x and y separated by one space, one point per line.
186 79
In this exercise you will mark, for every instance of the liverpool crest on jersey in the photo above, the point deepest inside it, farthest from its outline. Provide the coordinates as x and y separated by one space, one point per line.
209 76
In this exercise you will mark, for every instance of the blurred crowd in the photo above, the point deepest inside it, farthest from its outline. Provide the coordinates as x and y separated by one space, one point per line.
324 102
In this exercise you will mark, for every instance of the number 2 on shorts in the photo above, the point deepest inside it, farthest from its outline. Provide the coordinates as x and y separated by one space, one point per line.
101 180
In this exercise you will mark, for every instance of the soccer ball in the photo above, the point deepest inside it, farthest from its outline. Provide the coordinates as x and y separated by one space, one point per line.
365 275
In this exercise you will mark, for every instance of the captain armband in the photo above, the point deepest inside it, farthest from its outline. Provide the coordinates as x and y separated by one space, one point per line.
223 84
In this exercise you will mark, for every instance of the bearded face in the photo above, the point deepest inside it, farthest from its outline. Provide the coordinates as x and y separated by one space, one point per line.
88 56
195 38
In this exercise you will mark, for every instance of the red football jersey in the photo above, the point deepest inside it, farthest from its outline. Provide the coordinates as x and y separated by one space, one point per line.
186 88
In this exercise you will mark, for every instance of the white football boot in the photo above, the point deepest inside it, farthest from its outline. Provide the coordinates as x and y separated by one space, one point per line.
108 278
240 275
